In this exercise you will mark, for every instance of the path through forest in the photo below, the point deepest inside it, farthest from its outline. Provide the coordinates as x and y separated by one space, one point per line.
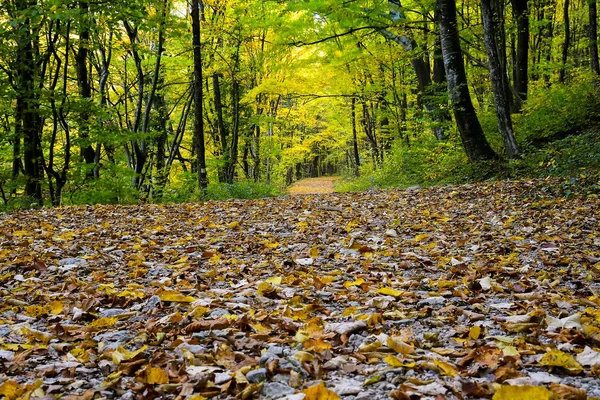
323 184
454 292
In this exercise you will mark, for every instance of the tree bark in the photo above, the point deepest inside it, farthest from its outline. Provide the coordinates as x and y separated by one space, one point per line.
87 151
474 141
566 44
198 121
499 78
355 152
593 36
521 15
28 101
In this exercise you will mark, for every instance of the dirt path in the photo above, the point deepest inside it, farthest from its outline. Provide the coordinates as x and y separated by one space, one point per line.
323 184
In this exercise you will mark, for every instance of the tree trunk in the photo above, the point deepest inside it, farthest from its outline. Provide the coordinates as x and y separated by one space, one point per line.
499 78
233 148
222 130
566 44
521 15
87 151
474 141
198 121
593 36
355 152
28 100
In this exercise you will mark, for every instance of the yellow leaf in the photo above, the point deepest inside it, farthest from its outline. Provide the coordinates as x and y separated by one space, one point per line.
233 224
445 368
35 311
197 397
56 307
317 345
357 282
474 332
421 237
396 362
32 334
522 393
175 296
10 389
132 293
265 288
557 358
390 292
122 354
303 356
370 347
156 376
274 280
314 252
399 346
105 322
80 354
198 312
319 392
260 328
349 311
372 379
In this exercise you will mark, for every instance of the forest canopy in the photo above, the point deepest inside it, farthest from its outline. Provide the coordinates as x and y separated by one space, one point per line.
162 100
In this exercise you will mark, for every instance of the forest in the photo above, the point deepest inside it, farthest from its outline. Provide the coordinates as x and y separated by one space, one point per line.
440 239
157 101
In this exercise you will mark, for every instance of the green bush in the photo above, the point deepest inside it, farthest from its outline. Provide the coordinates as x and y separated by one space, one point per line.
557 111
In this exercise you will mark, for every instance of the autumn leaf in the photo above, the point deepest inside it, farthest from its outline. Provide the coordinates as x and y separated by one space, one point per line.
522 393
557 358
153 376
319 392
174 296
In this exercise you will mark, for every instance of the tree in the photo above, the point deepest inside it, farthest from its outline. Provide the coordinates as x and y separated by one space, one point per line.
593 37
499 78
521 65
474 141
197 90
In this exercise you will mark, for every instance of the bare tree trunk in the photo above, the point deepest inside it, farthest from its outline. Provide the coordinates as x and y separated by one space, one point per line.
593 36
499 78
521 15
474 141
28 99
198 121
566 44
355 152
87 151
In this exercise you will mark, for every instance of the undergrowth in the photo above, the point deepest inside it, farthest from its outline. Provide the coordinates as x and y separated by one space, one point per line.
558 133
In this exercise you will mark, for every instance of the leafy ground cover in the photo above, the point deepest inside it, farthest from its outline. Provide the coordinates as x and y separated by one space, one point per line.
323 184
471 291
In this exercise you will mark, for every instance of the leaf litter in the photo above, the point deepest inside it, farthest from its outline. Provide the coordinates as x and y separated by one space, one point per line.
473 291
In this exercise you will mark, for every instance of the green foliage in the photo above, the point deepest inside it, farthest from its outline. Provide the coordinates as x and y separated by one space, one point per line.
114 187
557 111
426 162
240 190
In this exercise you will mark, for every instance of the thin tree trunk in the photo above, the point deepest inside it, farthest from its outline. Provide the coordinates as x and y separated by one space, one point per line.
566 44
355 152
198 121
233 148
27 98
499 78
87 151
474 141
521 15
593 36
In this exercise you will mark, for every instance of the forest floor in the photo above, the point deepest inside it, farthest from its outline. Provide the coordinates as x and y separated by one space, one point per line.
470 291
323 184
